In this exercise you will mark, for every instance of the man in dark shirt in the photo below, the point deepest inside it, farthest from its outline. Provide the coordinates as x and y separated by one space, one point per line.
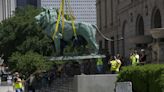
142 57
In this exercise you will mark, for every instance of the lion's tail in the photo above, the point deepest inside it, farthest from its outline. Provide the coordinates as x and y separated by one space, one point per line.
101 33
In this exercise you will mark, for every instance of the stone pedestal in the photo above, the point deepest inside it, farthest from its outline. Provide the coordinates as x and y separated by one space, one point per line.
123 87
95 83
157 45
158 52
161 53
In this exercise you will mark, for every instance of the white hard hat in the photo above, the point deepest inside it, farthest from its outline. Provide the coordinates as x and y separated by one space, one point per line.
142 50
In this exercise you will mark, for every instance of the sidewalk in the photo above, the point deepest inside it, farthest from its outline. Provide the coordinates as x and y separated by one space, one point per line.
6 89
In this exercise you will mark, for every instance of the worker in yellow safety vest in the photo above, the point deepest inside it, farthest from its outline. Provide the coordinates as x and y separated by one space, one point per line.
134 58
18 86
115 65
99 65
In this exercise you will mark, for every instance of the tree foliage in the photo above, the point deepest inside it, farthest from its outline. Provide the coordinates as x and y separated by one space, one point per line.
29 62
19 35
147 78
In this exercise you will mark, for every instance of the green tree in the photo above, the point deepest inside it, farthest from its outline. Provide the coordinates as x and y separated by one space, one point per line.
21 33
29 62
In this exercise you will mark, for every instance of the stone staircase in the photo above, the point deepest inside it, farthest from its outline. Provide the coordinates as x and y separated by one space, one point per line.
59 85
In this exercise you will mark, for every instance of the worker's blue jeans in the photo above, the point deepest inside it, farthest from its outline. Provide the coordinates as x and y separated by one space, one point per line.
99 68
19 90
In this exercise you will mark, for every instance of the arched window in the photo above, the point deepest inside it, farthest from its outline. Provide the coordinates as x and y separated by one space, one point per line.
140 31
156 19
140 26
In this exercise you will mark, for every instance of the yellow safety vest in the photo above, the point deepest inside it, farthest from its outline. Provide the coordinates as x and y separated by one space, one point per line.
115 65
18 85
134 60
99 61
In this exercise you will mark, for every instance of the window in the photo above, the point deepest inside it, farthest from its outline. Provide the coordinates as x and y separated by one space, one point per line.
140 26
156 19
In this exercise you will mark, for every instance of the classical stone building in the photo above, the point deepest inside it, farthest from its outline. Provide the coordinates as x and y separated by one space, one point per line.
129 24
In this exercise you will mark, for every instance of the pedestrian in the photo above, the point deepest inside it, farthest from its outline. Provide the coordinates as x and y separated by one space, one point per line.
142 57
134 58
99 65
18 86
115 65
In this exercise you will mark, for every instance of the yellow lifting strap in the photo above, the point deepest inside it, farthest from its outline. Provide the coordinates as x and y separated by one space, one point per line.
57 24
63 17
59 16
74 29
72 19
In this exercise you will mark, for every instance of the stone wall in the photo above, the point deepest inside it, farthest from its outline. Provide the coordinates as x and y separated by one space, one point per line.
122 20
95 83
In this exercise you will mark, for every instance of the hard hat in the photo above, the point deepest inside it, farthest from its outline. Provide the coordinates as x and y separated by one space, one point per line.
142 50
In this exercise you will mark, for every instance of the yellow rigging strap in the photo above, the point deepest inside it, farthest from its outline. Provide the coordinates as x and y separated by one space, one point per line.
74 29
72 19
63 17
58 20
61 11
71 13
59 16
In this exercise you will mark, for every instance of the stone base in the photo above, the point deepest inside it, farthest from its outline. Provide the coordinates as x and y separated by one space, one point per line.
124 87
95 83
158 52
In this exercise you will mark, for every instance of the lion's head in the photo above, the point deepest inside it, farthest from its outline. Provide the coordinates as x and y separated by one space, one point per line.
47 17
